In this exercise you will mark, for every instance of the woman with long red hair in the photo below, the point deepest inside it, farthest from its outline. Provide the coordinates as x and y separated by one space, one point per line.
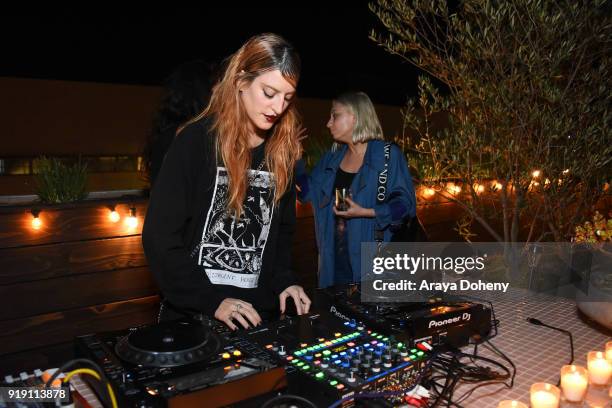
222 213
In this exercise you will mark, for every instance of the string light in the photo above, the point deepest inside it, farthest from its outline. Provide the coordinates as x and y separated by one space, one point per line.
428 192
536 173
36 222
113 216
496 185
478 188
453 188
533 185
132 221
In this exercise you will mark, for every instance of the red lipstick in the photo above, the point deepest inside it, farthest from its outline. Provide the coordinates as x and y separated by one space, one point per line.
271 118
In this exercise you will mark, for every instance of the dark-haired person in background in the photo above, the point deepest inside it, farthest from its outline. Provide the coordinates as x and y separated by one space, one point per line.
186 93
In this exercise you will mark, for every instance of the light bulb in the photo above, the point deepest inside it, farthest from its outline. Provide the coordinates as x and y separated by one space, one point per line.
478 188
132 221
453 188
429 192
114 216
36 222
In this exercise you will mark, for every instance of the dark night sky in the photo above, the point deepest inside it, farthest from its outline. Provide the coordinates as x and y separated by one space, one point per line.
143 46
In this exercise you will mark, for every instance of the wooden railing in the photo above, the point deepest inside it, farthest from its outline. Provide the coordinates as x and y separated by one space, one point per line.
78 273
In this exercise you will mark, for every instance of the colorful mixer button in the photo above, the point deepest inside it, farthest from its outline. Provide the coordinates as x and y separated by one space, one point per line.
333 383
320 375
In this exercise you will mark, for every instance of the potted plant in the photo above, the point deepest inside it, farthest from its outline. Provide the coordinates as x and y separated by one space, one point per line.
58 182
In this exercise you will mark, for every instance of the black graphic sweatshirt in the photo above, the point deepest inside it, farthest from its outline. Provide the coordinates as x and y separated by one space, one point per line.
200 255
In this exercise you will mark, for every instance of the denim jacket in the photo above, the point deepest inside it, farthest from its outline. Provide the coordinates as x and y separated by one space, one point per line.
318 188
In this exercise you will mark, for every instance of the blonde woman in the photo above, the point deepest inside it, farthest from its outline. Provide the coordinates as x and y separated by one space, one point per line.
222 213
354 163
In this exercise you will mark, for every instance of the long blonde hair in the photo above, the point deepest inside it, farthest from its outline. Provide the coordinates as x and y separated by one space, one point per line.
260 54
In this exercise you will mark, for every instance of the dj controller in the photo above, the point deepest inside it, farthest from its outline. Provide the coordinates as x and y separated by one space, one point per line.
338 354
441 320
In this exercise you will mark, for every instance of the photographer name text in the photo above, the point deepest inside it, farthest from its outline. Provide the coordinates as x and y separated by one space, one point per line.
461 285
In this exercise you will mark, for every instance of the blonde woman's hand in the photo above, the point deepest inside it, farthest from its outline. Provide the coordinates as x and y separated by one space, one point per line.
355 211
301 300
231 310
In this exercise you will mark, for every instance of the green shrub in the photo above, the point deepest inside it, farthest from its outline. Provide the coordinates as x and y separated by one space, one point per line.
58 182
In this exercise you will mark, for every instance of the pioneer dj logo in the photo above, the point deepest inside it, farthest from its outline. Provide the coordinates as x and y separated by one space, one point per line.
457 319
337 313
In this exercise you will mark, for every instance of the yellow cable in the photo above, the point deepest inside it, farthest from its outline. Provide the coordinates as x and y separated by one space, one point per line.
111 393
94 374
82 371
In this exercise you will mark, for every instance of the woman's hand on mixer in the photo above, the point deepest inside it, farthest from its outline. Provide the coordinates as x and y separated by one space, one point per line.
235 309
301 300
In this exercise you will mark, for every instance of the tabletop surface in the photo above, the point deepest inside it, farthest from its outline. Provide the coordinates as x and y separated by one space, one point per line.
538 352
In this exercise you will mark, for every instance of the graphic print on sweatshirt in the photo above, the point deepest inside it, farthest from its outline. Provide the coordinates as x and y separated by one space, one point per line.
231 250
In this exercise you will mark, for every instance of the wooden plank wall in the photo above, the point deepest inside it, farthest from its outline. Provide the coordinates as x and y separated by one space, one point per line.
81 273
78 273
